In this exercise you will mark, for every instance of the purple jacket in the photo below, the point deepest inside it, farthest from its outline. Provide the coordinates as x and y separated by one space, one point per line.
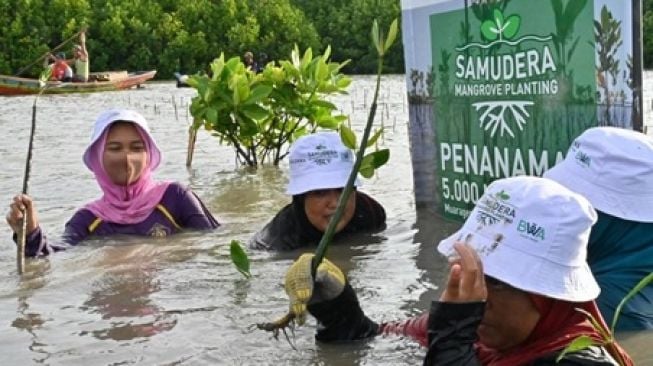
179 209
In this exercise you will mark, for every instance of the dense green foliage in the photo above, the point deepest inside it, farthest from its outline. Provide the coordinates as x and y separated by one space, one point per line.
172 35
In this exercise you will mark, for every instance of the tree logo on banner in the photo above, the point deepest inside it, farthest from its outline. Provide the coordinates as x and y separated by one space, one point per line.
507 79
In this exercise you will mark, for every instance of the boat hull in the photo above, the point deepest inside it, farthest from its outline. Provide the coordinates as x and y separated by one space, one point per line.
11 85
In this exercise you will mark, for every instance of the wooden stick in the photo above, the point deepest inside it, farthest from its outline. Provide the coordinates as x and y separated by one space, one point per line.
22 236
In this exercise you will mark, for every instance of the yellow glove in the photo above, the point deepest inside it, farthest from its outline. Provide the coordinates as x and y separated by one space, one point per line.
299 284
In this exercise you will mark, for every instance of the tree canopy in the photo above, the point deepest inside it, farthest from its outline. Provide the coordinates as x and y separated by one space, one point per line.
185 36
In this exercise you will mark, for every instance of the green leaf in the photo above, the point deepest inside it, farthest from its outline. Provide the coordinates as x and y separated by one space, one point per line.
348 137
343 83
324 104
640 285
489 30
366 171
392 35
255 112
379 158
327 53
373 161
321 71
248 126
512 26
577 344
211 115
375 37
239 258
375 137
258 93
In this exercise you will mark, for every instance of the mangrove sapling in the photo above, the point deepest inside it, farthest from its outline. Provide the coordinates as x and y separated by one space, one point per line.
607 335
365 164
22 235
259 115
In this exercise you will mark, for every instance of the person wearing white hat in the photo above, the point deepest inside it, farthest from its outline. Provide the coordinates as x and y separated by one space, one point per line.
518 275
613 168
319 168
122 154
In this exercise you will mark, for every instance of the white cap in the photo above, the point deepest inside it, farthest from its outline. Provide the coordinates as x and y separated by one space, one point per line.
319 161
106 118
613 168
532 234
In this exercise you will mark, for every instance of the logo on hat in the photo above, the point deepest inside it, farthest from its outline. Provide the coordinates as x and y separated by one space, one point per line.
583 158
531 229
322 156
495 208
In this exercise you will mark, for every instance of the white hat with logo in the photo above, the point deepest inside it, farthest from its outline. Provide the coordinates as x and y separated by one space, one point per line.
532 234
106 118
319 161
613 168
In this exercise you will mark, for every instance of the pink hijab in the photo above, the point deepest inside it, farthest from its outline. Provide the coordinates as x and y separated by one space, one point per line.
124 204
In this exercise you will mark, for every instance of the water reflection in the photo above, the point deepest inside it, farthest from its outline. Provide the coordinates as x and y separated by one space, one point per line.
123 297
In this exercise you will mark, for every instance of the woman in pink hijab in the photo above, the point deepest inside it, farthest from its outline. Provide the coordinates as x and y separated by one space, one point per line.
122 154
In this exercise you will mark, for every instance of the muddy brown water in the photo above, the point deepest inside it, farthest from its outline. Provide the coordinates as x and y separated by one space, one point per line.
179 300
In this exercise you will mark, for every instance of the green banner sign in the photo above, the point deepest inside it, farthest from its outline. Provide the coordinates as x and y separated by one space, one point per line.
511 83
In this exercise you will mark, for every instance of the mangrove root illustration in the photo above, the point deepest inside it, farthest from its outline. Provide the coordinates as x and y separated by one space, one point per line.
493 115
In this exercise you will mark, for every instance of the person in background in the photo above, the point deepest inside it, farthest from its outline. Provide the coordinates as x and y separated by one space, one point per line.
248 60
518 272
61 71
81 59
613 168
262 61
122 155
319 168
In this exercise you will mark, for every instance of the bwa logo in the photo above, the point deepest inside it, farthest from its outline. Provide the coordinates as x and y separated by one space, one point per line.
532 229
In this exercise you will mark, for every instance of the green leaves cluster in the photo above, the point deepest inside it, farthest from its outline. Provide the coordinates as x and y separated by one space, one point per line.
260 114
370 161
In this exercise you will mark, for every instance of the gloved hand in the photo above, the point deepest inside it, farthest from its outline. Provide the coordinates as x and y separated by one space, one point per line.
301 289
330 299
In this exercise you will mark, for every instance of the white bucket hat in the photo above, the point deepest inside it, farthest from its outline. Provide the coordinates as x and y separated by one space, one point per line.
613 168
106 118
319 161
532 233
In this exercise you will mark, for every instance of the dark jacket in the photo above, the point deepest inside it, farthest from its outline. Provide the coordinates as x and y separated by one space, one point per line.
451 332
452 335
290 228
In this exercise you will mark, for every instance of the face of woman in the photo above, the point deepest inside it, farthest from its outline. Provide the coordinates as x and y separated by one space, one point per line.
510 316
125 155
321 204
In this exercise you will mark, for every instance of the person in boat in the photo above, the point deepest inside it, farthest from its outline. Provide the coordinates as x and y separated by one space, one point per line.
248 60
60 70
319 168
518 272
613 168
262 61
80 60
122 155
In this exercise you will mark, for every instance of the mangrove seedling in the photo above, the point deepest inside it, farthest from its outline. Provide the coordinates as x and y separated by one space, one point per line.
365 164
261 114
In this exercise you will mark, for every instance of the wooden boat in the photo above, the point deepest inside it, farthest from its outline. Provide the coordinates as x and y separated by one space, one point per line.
98 81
